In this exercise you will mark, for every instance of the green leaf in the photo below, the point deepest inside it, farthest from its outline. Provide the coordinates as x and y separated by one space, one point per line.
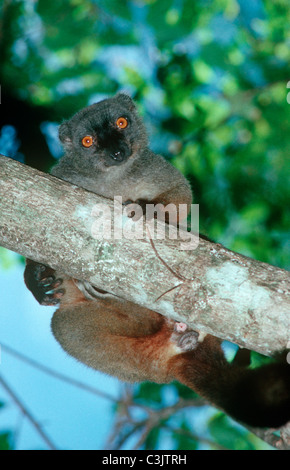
228 435
183 439
152 439
8 259
149 392
5 441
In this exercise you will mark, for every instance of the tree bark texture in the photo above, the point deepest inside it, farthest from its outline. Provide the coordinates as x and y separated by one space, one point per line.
212 289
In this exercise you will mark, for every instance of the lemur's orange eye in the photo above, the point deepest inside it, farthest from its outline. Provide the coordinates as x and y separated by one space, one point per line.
122 122
87 141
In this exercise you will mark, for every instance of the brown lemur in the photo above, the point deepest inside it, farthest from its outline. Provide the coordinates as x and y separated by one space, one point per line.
106 152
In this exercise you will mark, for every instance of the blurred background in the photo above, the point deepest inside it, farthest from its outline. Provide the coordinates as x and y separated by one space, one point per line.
212 81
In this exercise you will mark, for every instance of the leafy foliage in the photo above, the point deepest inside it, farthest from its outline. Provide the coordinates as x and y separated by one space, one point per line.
8 259
228 436
5 441
210 78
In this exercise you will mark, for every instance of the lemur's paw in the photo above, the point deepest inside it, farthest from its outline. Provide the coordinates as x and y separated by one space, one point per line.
41 281
188 341
185 338
135 210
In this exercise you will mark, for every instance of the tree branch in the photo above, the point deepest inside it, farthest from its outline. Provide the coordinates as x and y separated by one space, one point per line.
211 288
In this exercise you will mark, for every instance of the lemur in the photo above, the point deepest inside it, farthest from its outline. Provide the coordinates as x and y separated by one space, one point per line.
106 152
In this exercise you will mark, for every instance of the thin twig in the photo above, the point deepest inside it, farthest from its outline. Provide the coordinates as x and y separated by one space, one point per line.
167 292
27 413
194 437
269 436
179 276
126 425
57 375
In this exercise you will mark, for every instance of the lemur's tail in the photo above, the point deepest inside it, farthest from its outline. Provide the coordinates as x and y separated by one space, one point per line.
257 397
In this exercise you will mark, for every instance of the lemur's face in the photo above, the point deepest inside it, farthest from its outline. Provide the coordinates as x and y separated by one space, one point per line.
104 134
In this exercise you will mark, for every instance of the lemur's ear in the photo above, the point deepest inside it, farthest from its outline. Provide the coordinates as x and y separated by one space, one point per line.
127 100
64 134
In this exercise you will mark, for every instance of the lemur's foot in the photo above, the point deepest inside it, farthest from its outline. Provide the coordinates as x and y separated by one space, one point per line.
188 341
185 338
41 281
